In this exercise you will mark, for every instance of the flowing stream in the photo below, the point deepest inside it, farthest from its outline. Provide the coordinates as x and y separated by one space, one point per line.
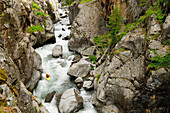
57 68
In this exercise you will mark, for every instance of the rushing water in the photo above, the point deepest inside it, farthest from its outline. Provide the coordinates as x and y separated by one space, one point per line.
57 68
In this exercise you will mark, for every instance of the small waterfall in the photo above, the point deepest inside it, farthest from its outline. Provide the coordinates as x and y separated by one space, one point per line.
57 68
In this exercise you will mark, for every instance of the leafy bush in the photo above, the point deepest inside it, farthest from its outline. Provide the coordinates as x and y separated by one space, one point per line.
114 25
39 14
35 28
159 61
35 6
98 76
92 58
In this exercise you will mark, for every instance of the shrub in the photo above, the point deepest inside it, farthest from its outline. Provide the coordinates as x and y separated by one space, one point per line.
98 76
39 14
92 58
35 28
35 6
159 61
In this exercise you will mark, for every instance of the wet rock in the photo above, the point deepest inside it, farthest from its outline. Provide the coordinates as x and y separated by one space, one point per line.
43 110
76 59
70 101
59 35
69 27
64 16
50 96
63 29
66 38
80 69
57 51
78 80
87 85
79 85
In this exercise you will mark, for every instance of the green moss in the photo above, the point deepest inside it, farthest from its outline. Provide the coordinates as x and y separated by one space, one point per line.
92 58
35 6
98 76
39 14
69 2
84 1
92 68
35 29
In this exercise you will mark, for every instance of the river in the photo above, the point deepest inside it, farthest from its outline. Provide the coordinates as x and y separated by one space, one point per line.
58 68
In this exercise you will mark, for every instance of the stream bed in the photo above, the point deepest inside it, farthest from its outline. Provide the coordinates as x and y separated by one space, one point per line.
57 68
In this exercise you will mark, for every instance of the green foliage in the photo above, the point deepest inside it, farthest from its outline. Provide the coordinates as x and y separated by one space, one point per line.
159 61
35 29
84 1
114 25
92 58
167 42
153 9
35 6
68 2
36 110
39 14
92 68
103 41
51 5
2 14
98 76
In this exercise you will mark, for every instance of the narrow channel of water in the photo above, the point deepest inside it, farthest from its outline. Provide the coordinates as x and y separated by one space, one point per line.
57 68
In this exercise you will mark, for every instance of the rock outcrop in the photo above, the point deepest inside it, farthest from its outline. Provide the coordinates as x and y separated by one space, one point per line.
24 24
82 33
125 78
70 101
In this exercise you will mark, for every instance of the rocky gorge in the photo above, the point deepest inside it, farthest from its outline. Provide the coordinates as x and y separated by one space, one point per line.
128 76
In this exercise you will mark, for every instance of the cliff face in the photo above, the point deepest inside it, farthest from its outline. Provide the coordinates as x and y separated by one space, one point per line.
24 24
123 75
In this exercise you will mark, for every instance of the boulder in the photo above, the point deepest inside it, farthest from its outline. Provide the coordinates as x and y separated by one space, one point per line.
80 69
70 101
57 51
88 51
76 59
50 96
78 80
87 85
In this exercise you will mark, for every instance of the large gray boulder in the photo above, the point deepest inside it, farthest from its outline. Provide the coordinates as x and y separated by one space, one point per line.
70 101
80 69
57 51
